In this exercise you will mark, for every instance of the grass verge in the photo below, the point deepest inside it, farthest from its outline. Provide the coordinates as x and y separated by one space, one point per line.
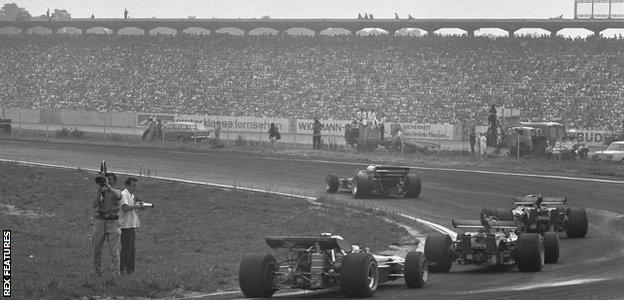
192 240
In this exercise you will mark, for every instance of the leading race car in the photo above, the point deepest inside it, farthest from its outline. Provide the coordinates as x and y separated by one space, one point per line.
378 180
538 214
326 261
488 242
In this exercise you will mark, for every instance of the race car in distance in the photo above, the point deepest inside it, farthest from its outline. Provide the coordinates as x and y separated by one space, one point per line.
488 242
378 180
537 214
323 262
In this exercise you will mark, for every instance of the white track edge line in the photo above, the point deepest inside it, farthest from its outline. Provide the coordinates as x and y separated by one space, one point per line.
462 170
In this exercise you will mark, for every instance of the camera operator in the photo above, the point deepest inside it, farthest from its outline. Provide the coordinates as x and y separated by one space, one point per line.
106 205
129 221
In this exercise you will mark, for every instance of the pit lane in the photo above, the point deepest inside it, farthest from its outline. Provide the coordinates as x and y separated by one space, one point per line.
588 268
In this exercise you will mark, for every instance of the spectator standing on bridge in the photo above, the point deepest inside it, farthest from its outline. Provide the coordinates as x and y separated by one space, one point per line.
360 16
48 14
274 135
126 12
396 16
316 134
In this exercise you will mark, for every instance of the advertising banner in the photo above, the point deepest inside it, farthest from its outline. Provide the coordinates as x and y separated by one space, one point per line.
238 124
596 138
444 132
330 127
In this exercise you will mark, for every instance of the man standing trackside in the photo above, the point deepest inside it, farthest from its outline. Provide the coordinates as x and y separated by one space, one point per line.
129 221
106 205
316 134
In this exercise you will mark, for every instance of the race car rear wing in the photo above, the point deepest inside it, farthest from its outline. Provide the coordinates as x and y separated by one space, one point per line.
545 200
493 224
392 171
325 243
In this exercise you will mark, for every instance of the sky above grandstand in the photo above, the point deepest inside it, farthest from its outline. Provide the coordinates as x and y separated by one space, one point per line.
381 9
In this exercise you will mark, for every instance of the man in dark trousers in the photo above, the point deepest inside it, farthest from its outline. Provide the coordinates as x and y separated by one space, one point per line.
126 12
128 221
316 134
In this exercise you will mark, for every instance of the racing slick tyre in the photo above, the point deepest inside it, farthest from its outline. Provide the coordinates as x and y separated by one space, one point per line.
332 183
256 275
415 272
360 187
530 252
359 276
412 186
551 247
577 222
437 251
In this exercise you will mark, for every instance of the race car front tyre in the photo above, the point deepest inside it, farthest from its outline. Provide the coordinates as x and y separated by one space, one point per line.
437 247
359 275
415 272
361 186
577 222
332 183
551 247
412 186
530 252
256 275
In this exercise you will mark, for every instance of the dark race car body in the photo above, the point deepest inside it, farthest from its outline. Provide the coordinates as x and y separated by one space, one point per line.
324 262
537 214
378 181
486 243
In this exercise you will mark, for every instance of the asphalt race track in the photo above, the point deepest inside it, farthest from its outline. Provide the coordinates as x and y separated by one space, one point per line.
589 268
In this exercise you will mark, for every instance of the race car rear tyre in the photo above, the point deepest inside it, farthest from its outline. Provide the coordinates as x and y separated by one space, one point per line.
412 186
551 247
415 272
332 183
256 275
437 247
530 252
361 186
577 222
359 276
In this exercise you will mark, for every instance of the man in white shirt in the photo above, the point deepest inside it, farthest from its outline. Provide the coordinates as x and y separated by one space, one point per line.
128 221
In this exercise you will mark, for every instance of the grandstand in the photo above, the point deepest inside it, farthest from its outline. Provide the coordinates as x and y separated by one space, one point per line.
429 79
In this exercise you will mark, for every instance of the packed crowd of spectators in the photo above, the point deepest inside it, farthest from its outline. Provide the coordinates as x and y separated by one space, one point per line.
420 79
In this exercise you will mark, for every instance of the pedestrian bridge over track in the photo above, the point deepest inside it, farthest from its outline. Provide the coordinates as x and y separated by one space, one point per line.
318 25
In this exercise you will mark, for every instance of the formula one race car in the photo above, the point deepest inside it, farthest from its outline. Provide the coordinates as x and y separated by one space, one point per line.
378 180
490 243
534 213
327 261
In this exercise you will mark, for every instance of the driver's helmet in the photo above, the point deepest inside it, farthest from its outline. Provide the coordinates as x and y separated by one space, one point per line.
371 169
